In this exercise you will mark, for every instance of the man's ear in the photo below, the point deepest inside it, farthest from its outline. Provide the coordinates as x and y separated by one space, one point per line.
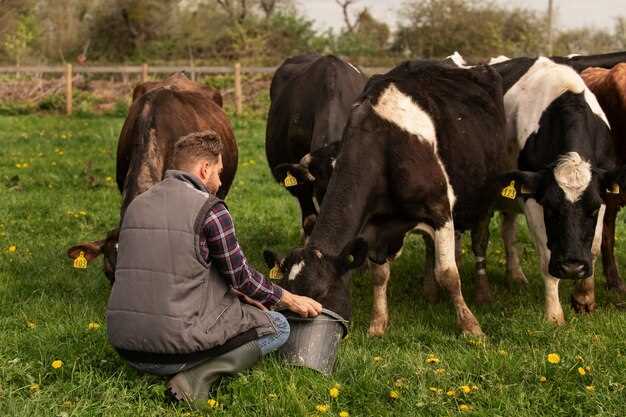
91 250
292 175
519 184
613 182
353 255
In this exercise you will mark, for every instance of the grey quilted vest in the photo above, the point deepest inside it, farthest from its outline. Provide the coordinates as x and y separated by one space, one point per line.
166 298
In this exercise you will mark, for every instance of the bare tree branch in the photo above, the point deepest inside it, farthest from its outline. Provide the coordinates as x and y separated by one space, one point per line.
345 4
268 7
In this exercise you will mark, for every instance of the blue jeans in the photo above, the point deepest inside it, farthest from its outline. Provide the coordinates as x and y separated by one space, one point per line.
266 344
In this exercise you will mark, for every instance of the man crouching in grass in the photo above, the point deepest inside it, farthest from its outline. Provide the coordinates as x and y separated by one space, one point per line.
185 302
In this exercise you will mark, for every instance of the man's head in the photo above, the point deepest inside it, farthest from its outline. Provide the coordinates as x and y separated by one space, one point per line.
200 154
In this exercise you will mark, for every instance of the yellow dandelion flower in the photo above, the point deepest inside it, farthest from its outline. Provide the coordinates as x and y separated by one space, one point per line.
57 363
322 408
12 249
466 389
588 369
394 395
435 390
474 388
333 392
553 358
31 324
579 359
451 393
109 179
93 326
344 413
465 408
338 386
432 359
543 379
273 396
34 387
440 371
377 359
503 352
212 403
82 213
582 371
590 388
400 382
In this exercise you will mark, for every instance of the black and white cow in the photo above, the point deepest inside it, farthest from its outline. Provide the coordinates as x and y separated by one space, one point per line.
311 96
566 163
400 169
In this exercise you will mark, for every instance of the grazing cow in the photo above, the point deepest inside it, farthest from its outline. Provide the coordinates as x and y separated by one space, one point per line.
609 86
400 170
566 163
161 113
311 97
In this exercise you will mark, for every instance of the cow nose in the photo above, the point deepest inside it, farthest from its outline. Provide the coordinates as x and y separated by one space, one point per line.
573 270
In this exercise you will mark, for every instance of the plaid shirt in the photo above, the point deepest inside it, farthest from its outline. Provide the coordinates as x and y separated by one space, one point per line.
218 244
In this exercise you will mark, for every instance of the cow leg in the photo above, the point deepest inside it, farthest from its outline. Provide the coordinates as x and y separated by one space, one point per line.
430 286
584 298
447 275
613 280
380 312
514 271
480 241
536 225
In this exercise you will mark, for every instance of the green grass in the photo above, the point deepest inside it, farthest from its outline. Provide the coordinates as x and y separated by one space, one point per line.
53 203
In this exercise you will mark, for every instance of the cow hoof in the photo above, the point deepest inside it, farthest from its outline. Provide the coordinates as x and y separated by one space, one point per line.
556 319
516 278
617 286
378 328
473 330
582 305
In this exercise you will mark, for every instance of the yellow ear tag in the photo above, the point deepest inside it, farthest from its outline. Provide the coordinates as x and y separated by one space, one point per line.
290 180
614 189
509 191
275 272
80 262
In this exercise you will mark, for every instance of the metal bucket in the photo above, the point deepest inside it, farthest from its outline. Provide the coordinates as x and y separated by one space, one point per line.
314 342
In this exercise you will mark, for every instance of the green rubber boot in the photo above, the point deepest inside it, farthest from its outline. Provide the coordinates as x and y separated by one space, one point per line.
193 384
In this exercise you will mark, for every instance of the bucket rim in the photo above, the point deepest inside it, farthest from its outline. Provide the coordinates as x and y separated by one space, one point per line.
335 316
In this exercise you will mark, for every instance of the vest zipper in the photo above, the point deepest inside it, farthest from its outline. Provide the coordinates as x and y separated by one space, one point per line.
218 317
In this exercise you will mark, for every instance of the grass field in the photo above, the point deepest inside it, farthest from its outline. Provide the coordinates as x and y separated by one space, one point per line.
57 189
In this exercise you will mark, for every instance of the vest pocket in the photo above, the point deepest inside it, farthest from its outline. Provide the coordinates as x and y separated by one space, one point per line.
220 311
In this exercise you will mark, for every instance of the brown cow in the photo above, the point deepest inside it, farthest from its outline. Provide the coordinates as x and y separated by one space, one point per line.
609 86
161 113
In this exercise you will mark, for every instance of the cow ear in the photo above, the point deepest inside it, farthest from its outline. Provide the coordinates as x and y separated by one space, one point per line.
518 184
91 250
613 182
292 175
353 255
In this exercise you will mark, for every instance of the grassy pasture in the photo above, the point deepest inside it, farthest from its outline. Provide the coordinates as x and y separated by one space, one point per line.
57 188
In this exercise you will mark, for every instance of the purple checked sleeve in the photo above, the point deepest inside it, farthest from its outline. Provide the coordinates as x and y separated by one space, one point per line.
220 246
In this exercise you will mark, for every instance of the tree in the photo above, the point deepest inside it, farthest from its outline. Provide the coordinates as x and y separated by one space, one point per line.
345 5
17 43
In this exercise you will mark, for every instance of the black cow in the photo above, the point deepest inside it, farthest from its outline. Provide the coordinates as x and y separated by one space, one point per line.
400 170
311 97
566 163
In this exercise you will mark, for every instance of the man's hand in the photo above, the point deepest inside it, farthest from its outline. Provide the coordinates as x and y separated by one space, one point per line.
303 306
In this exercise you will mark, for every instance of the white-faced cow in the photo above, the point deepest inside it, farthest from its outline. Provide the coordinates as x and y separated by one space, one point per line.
423 142
311 98
609 86
566 163
161 113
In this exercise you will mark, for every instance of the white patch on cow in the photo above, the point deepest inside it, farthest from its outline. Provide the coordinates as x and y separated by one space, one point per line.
445 253
400 109
316 204
353 67
295 270
573 175
423 227
597 237
498 59
543 83
458 60
333 162
573 55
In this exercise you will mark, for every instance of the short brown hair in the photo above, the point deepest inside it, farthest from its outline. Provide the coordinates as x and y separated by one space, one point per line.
196 146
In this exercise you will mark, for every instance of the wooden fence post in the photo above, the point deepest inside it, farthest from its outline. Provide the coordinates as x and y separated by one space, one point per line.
238 93
68 89
144 73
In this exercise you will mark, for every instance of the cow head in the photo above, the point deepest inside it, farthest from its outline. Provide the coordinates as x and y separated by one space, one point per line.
91 250
314 168
309 272
571 194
